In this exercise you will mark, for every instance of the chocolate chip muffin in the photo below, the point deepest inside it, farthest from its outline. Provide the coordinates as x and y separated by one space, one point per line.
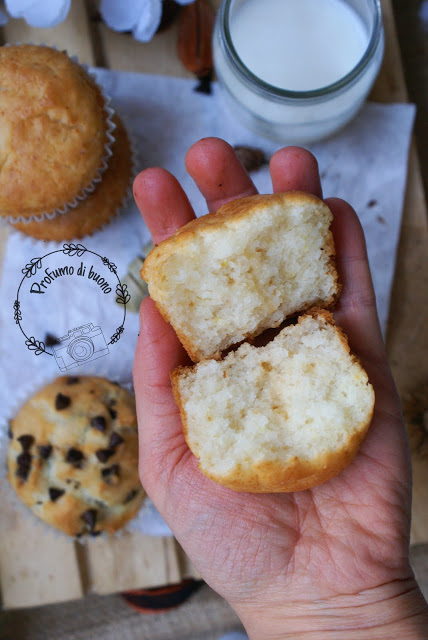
73 456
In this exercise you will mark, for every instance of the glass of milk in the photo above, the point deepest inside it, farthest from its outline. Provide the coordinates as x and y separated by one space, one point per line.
297 70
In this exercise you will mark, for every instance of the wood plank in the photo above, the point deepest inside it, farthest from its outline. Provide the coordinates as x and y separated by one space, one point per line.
36 564
131 561
158 56
390 85
407 337
73 34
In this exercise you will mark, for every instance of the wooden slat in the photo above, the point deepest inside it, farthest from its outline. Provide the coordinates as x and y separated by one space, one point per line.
390 85
407 336
36 564
122 52
159 55
132 561
73 35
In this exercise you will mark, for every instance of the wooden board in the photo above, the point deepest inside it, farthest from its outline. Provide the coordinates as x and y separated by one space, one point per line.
39 568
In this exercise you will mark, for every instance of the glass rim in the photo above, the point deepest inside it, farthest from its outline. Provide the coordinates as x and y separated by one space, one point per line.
321 92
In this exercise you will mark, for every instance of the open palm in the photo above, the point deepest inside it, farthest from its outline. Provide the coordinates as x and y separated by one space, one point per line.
347 536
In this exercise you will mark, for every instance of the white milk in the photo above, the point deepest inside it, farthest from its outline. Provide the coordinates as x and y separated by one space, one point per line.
298 45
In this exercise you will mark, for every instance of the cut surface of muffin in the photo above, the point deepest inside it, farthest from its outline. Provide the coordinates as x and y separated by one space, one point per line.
283 417
230 275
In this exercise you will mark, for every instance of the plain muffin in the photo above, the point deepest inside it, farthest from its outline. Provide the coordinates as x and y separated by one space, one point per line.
279 418
228 276
53 130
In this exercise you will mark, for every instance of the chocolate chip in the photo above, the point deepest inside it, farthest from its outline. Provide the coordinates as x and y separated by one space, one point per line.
113 413
104 454
45 451
9 431
74 456
108 471
251 157
204 85
112 402
54 493
371 203
62 402
24 465
26 442
116 383
89 517
51 340
99 423
115 440
94 534
72 380
130 495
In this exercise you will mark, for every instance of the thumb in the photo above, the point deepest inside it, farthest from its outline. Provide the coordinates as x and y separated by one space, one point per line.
161 441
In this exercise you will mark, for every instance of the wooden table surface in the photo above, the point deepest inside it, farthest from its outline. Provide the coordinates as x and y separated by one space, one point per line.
84 35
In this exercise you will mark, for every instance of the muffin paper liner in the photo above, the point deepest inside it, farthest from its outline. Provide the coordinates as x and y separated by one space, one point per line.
146 521
86 191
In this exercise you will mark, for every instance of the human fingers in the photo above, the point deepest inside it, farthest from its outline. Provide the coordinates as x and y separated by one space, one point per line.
162 202
218 173
356 310
295 169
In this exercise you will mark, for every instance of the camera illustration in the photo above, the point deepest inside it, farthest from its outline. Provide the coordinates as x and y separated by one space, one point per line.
82 344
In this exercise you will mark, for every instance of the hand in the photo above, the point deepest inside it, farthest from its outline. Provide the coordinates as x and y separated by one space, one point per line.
333 559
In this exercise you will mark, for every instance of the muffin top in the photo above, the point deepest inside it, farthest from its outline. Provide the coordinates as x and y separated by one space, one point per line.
73 455
52 130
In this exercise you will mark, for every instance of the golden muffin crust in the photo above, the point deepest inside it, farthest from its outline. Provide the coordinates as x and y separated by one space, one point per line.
73 455
52 130
99 207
